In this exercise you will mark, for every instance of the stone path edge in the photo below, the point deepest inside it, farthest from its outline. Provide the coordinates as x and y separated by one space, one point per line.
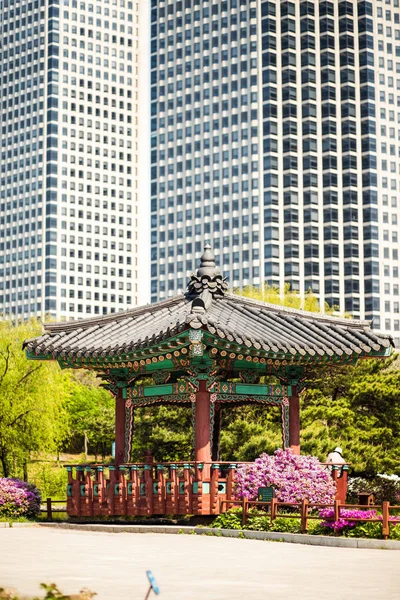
293 538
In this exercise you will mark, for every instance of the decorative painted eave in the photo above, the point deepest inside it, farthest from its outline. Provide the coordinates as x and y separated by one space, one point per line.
228 322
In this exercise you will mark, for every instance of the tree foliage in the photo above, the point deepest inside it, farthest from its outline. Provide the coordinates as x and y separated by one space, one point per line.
91 411
357 408
165 431
32 397
273 295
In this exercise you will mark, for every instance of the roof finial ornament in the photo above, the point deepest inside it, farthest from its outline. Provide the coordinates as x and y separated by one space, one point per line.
207 263
208 276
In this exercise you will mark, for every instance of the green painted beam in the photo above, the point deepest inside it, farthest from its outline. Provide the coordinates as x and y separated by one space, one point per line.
33 356
262 390
157 390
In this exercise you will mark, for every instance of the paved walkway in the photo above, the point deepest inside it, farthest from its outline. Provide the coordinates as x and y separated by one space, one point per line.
193 567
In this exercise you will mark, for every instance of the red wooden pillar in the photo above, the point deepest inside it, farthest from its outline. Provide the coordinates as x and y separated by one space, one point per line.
202 433
119 427
230 482
294 421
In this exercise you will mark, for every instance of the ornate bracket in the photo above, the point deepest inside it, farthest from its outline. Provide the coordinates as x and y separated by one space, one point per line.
199 373
249 376
161 376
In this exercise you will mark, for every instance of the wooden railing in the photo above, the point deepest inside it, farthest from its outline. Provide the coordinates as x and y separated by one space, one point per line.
138 489
49 510
304 507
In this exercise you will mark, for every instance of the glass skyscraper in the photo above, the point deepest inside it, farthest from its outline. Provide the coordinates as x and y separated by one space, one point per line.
275 134
69 157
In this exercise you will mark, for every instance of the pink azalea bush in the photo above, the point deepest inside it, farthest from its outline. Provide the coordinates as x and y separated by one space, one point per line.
18 498
294 478
347 516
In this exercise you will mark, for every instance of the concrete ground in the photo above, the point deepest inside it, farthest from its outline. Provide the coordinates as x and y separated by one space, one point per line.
192 567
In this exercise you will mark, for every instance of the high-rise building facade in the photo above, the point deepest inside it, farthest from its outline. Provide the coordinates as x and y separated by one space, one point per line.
275 132
69 157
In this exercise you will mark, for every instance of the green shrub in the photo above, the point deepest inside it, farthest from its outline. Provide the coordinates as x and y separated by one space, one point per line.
286 525
52 593
314 527
257 523
229 520
365 530
51 479
395 532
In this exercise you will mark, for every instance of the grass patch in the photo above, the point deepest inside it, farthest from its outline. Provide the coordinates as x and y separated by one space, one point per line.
5 519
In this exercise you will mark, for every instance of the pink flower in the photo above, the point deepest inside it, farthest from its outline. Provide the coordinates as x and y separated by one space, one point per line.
293 477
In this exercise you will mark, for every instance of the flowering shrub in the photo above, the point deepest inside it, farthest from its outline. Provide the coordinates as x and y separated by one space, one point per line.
18 498
347 516
294 478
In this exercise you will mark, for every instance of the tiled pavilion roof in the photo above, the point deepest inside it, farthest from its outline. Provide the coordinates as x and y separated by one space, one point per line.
209 306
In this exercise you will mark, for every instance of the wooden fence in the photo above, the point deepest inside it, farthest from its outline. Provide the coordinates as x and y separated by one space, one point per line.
49 510
304 508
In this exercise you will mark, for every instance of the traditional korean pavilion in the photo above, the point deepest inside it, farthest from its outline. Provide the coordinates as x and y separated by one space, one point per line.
208 349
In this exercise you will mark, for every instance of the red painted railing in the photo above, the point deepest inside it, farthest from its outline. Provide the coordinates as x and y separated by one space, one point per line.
140 489
301 510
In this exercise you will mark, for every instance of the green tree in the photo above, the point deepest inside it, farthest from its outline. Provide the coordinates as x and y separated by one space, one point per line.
91 411
32 397
165 431
248 431
357 408
287 297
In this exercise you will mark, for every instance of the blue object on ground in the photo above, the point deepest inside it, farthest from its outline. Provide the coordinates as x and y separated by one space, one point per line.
153 582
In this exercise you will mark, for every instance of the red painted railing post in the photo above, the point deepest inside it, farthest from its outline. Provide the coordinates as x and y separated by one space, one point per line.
215 473
148 481
71 504
81 490
122 490
304 515
133 496
336 510
99 492
245 508
88 504
274 508
104 483
49 515
341 484
160 500
187 478
110 491
198 490
174 489
230 481
385 520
